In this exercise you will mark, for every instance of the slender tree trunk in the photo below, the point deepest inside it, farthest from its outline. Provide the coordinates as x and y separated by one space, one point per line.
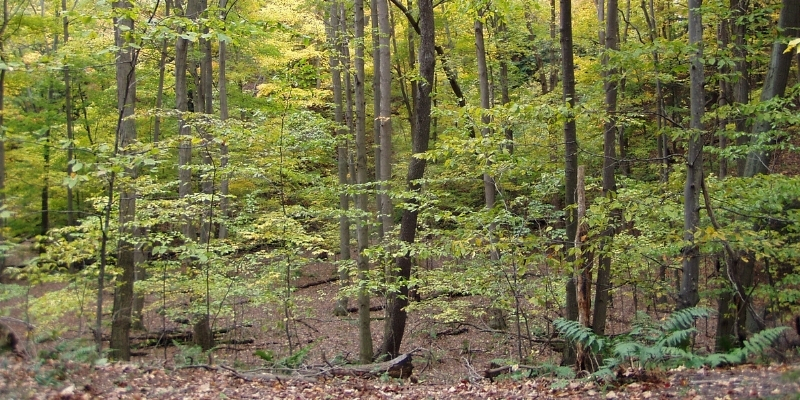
553 78
334 38
582 272
689 296
126 135
365 350
202 334
505 97
396 315
741 86
162 70
610 129
570 159
45 223
449 72
69 119
385 116
663 149
758 160
2 138
489 193
223 115
376 105
182 105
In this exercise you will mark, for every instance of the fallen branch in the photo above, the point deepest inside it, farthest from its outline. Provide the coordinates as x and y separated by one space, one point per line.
452 331
318 283
398 367
373 308
494 371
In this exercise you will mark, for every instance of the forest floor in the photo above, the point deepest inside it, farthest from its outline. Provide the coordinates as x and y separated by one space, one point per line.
70 380
449 357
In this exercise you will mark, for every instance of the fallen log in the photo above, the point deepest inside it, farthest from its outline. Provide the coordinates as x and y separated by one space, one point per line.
452 332
317 283
373 308
398 367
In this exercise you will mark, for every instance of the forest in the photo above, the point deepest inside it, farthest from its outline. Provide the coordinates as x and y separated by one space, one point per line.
586 186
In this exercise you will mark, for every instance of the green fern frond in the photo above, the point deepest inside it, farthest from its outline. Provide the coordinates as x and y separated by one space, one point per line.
573 331
684 319
675 338
761 341
628 349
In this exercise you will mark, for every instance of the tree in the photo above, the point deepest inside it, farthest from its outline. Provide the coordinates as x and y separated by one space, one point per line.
570 157
774 86
340 308
398 300
365 350
611 41
126 136
689 296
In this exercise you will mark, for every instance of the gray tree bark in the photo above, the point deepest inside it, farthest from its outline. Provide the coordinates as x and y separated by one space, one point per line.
758 160
69 119
223 115
398 300
603 284
182 105
689 295
126 135
385 116
570 160
334 38
365 350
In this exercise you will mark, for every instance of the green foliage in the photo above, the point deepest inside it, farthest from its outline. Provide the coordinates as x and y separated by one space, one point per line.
9 291
289 362
190 354
63 360
651 345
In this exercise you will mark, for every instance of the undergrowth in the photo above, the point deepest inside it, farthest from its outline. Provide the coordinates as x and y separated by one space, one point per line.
651 345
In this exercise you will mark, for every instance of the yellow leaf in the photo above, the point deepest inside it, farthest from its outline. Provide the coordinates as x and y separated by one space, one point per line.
792 44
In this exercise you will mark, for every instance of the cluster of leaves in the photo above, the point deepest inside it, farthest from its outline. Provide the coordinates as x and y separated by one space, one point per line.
290 362
650 345
64 358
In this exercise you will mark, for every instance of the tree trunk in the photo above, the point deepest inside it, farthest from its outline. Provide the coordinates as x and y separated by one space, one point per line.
758 159
182 105
489 193
376 105
126 135
223 115
741 87
162 71
570 159
505 97
689 296
582 270
69 119
385 116
203 336
365 352
398 300
340 308
610 129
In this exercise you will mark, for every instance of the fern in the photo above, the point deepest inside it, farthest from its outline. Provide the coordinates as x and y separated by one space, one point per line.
684 319
757 344
650 345
574 332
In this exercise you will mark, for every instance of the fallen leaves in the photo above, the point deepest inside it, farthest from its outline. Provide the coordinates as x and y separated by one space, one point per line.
23 380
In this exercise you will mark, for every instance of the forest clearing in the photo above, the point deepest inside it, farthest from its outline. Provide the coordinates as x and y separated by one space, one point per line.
399 198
